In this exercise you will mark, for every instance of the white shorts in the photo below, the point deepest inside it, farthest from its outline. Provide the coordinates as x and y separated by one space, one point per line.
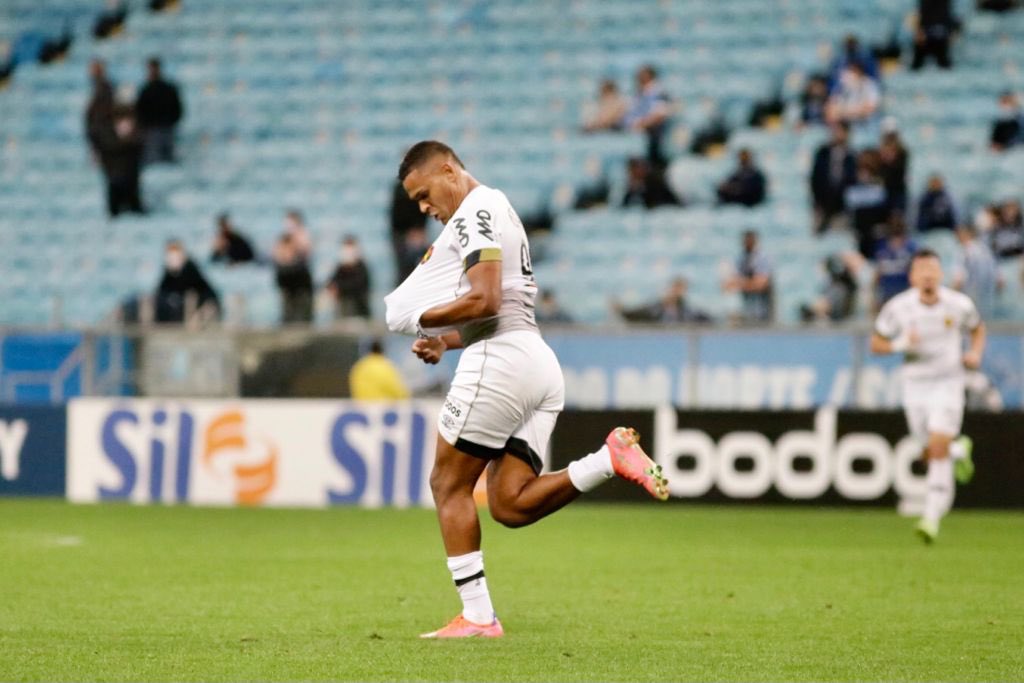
934 406
505 397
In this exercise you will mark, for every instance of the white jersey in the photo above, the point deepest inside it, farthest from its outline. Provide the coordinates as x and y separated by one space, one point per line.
484 228
940 328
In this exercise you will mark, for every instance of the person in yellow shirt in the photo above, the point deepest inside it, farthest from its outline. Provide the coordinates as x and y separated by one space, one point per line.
375 378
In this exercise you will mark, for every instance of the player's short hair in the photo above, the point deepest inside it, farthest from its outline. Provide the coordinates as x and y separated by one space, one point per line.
925 252
423 151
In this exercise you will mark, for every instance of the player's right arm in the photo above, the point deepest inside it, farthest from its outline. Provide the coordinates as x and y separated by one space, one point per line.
976 329
881 345
430 349
889 335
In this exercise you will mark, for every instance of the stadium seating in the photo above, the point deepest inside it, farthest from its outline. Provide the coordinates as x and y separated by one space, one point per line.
310 104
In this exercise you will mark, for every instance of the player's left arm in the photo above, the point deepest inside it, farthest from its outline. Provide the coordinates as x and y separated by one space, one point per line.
478 235
972 357
483 300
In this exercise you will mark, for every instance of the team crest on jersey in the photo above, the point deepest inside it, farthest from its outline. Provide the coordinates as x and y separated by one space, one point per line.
426 256
949 321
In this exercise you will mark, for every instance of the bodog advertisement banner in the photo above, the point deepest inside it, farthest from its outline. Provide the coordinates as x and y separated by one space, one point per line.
812 457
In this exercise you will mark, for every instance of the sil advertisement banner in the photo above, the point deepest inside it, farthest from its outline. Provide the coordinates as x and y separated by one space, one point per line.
250 452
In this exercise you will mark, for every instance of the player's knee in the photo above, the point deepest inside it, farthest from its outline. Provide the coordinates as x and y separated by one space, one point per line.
442 484
507 515
506 511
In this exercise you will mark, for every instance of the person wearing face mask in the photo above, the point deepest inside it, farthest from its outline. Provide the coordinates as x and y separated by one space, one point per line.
120 154
1008 129
295 228
293 280
349 285
181 282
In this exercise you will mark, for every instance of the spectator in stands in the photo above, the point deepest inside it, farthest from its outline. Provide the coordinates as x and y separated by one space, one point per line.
856 98
746 185
813 101
111 20
753 280
975 272
609 111
295 228
671 307
405 216
159 110
894 159
549 310
852 53
934 31
183 291
835 169
120 152
375 378
229 245
1008 129
414 248
293 280
867 202
646 185
349 285
892 262
99 113
998 5
650 114
936 209
1007 234
839 294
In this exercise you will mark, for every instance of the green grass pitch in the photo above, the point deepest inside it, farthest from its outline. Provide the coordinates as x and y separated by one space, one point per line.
611 593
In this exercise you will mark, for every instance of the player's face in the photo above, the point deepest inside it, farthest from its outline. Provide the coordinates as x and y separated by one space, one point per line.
434 185
926 274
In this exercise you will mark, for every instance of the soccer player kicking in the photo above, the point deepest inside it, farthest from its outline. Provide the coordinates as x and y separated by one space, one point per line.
474 290
926 323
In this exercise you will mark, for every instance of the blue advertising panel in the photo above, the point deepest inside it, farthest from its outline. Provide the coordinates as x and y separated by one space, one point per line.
757 370
774 369
1003 367
32 450
622 371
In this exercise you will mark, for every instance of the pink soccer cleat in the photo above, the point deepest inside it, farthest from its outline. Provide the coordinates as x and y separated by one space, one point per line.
460 627
631 463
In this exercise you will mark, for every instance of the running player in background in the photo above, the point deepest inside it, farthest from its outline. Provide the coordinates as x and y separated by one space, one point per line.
926 323
474 290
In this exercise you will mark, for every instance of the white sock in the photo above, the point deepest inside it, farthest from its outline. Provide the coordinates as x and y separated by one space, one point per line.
939 497
592 470
957 450
468 574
